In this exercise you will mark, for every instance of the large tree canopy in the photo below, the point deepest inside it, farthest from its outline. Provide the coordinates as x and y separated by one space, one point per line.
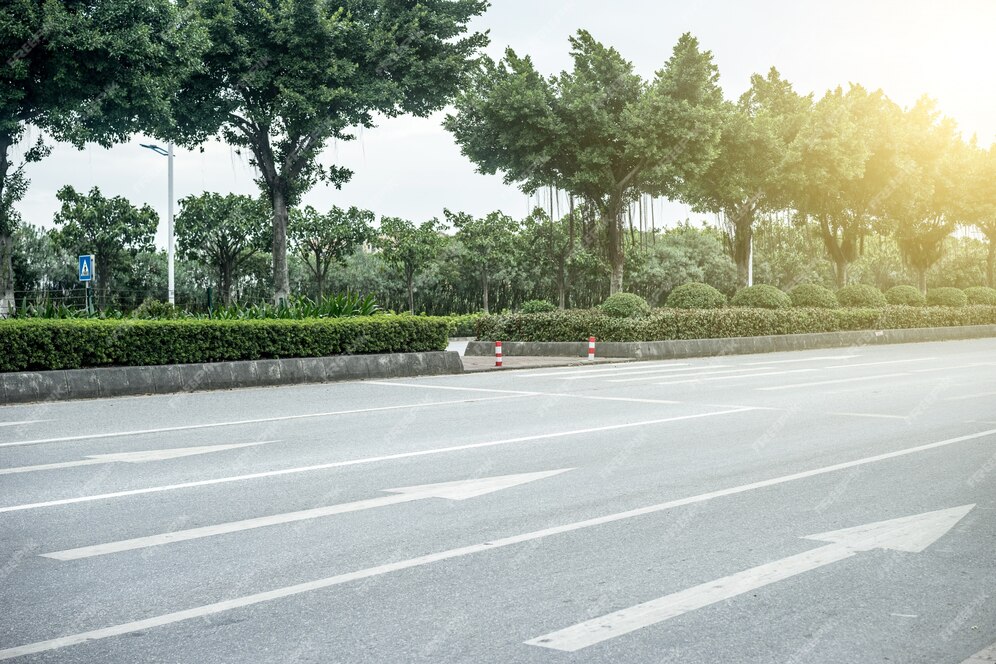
283 77
83 70
598 132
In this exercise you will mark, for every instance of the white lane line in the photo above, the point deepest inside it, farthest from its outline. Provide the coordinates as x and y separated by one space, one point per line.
736 377
875 415
876 364
261 420
703 373
954 367
328 582
377 459
832 382
133 457
458 490
21 423
805 359
668 371
568 395
984 656
623 366
972 396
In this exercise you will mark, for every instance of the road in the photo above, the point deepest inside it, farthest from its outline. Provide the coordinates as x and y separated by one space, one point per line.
824 506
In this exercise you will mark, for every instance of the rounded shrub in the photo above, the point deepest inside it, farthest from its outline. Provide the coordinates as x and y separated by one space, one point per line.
981 295
153 309
761 297
625 305
537 307
813 295
861 295
695 296
946 297
909 296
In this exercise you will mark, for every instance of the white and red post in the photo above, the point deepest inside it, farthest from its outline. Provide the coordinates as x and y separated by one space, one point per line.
591 348
497 353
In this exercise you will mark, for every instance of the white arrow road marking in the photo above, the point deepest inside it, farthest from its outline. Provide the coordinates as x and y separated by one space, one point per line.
459 490
985 656
377 459
132 457
911 534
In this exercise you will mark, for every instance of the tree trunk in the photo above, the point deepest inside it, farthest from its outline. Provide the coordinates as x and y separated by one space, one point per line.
743 233
226 285
840 271
991 265
484 284
7 304
921 279
281 278
617 254
561 286
411 293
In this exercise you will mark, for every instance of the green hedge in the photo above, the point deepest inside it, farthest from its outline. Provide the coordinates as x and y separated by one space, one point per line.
625 305
813 295
946 297
761 296
668 324
695 296
37 344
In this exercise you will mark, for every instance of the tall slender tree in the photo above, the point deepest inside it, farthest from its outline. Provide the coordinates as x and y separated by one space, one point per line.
324 240
409 248
599 132
284 77
490 243
83 70
979 202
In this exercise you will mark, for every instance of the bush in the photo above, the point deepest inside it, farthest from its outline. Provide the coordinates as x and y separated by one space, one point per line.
909 296
981 295
814 296
38 344
625 305
461 325
669 324
152 309
761 297
861 295
537 307
946 297
695 296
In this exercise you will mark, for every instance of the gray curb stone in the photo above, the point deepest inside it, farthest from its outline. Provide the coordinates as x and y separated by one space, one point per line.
26 387
683 348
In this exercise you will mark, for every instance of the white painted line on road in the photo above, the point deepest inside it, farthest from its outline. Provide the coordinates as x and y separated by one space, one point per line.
624 366
831 382
21 423
910 534
377 459
492 545
669 371
261 420
874 415
568 395
703 373
985 656
459 490
972 396
132 457
804 359
876 364
735 377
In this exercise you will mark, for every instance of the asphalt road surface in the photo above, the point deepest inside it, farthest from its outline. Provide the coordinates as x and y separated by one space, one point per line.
824 506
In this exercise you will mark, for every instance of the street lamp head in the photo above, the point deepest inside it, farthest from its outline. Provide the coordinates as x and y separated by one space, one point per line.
155 148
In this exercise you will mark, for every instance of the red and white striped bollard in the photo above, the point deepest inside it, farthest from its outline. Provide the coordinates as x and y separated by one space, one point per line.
591 348
497 353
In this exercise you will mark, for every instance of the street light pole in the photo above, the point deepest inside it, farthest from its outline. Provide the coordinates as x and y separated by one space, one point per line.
170 274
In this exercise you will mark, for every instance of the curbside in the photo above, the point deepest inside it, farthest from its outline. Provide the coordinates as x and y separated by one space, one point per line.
62 385
683 348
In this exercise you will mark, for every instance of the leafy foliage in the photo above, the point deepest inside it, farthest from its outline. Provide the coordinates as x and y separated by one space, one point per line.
861 295
695 296
813 296
981 295
625 305
537 307
946 297
324 240
761 296
72 344
906 295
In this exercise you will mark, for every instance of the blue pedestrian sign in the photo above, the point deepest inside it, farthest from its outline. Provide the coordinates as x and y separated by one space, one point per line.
86 268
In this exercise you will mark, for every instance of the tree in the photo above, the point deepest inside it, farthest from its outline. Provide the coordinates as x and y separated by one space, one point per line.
843 168
223 233
324 240
979 202
83 70
283 78
599 132
490 244
930 203
746 178
111 229
409 248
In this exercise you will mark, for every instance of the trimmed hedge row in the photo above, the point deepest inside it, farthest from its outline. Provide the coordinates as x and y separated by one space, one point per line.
670 324
39 344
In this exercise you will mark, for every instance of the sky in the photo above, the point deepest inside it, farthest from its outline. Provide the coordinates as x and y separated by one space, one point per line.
411 167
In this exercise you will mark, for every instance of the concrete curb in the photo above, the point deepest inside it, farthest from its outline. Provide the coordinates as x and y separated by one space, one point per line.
26 387
647 350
